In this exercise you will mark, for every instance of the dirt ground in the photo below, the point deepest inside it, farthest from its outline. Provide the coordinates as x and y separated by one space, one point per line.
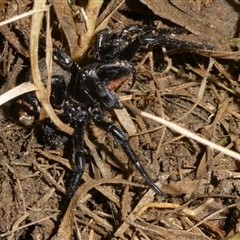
195 87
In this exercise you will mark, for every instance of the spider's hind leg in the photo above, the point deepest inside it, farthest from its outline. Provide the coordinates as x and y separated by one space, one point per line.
118 134
163 38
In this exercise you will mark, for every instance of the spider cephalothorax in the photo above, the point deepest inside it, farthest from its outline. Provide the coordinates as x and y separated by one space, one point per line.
89 90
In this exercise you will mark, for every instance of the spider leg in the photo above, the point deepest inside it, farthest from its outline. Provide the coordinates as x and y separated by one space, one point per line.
78 150
109 46
64 60
58 91
115 70
61 57
165 40
118 134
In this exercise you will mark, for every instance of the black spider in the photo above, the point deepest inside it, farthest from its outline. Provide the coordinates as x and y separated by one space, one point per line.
88 91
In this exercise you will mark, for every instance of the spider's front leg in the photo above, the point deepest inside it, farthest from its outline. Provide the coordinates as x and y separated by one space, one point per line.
118 134
78 119
58 91
78 151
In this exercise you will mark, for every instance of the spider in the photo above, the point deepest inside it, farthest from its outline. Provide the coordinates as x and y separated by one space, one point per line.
90 90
